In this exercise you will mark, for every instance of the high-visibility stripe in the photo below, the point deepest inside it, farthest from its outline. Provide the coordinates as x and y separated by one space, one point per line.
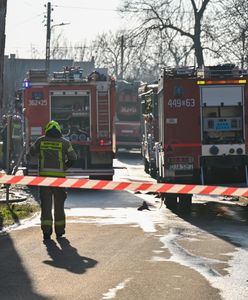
47 222
60 223
51 146
54 174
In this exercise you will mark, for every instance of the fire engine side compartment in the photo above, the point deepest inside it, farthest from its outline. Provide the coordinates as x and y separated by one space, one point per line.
179 131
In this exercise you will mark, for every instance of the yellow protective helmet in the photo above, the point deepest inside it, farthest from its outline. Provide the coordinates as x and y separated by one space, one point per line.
52 124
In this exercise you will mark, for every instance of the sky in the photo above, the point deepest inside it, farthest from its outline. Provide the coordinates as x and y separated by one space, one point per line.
25 22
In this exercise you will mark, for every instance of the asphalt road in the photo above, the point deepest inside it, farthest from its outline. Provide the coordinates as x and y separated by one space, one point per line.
114 251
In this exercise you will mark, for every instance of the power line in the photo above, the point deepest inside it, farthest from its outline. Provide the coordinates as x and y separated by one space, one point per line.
28 20
86 8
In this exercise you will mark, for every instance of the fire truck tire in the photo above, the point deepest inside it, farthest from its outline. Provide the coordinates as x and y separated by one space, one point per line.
107 177
171 201
146 166
25 172
185 202
154 173
101 177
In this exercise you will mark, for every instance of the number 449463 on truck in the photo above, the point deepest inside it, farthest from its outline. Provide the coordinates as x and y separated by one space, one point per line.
202 128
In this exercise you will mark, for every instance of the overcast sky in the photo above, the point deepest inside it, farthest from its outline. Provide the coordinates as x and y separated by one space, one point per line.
25 22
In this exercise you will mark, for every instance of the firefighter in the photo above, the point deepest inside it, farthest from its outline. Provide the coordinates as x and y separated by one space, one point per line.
55 156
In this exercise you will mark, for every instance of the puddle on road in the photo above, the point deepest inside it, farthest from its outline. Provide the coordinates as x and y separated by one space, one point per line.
217 211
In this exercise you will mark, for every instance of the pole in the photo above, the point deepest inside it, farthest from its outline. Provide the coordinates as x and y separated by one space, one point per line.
3 10
122 56
48 36
8 153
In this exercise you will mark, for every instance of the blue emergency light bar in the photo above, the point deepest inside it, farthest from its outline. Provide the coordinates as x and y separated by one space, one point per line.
26 84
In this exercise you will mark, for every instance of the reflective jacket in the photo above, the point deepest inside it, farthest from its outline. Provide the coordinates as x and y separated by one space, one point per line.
54 155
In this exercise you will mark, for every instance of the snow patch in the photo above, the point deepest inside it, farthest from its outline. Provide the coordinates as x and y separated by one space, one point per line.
112 292
232 286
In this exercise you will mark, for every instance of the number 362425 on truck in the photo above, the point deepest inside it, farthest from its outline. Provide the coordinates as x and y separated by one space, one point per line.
85 109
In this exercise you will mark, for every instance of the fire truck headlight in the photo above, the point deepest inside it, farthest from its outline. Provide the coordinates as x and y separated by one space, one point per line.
231 151
239 151
214 150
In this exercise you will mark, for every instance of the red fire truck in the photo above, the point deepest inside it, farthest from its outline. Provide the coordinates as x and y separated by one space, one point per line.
85 109
127 124
149 126
202 128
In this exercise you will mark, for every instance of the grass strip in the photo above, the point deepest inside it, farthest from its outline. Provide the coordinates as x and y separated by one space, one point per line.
13 213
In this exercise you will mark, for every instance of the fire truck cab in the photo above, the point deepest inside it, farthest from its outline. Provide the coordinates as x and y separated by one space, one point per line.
84 106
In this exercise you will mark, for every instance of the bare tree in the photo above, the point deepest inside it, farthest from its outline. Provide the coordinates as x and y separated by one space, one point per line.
234 31
3 10
182 16
115 51
61 48
122 52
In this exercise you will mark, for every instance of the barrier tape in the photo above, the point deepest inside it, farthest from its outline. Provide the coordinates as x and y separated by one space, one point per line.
124 186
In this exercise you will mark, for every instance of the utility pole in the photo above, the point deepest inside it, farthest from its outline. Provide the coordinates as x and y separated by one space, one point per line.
3 10
48 36
122 56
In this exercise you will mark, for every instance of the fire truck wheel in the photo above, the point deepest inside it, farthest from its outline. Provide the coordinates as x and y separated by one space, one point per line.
171 201
146 166
154 173
101 177
185 201
25 171
107 177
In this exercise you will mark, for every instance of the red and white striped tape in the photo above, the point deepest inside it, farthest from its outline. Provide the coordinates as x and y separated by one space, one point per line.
124 186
